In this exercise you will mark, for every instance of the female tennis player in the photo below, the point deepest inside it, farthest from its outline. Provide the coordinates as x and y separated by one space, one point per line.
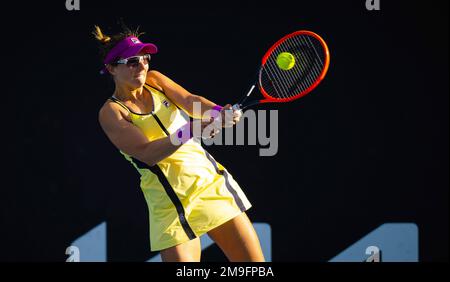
187 191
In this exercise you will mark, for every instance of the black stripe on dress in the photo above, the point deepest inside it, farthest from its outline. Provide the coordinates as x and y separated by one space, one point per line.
230 188
172 195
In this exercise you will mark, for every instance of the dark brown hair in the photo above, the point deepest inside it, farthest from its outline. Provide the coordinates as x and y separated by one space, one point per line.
106 43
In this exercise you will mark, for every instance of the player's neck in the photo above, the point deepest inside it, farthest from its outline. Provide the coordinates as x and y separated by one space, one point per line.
124 93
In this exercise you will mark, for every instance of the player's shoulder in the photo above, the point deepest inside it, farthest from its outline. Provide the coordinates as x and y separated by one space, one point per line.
110 110
155 74
157 79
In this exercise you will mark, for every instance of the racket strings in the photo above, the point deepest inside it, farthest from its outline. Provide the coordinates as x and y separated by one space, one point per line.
288 76
298 78
309 57
306 72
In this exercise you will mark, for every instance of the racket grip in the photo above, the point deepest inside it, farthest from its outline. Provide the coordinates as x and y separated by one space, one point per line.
236 107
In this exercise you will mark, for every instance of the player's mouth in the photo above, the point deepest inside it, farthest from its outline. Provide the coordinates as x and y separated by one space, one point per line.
139 74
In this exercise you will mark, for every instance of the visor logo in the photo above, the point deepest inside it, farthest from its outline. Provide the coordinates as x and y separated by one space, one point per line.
135 40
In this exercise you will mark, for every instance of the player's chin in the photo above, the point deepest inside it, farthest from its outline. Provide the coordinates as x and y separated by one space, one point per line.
139 79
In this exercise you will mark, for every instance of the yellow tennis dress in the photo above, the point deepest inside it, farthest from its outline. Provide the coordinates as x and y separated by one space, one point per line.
188 193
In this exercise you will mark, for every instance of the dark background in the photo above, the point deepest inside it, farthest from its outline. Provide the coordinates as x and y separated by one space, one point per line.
367 147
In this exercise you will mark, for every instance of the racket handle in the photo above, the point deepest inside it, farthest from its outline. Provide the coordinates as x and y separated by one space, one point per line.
243 107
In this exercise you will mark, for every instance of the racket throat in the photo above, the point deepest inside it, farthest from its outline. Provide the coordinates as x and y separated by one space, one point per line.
239 105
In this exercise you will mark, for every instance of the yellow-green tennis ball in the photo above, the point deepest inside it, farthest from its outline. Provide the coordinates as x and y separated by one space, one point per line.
285 61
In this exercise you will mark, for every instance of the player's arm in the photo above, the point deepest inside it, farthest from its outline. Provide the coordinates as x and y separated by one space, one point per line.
186 100
179 95
129 139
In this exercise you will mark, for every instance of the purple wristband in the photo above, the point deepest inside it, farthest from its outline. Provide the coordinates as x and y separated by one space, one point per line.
215 111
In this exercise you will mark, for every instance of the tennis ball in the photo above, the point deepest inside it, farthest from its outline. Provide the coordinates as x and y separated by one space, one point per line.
285 61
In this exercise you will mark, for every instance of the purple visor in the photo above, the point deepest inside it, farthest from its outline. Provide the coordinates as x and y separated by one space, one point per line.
128 47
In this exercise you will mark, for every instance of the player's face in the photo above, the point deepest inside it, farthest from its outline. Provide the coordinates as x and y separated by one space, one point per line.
132 71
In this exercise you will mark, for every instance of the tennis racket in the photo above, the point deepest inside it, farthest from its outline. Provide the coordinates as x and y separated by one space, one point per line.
277 85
